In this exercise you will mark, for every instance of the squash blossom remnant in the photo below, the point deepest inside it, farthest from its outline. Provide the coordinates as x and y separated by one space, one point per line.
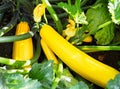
38 12
70 30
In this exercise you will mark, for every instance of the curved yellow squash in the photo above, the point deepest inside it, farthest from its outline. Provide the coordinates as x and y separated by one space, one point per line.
22 50
83 64
49 54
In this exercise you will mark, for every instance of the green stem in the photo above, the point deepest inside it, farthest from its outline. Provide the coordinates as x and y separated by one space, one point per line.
54 16
61 15
17 64
37 2
5 6
56 7
1 17
38 50
83 2
86 7
12 62
99 27
104 24
98 48
54 0
31 33
117 43
21 71
10 25
18 4
58 75
28 5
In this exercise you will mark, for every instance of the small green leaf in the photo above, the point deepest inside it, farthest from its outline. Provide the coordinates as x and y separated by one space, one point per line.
74 11
114 83
114 9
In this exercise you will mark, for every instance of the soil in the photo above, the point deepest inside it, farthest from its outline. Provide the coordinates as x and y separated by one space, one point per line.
110 58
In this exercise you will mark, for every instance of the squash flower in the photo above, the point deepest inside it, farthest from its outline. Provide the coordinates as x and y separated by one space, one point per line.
70 30
38 12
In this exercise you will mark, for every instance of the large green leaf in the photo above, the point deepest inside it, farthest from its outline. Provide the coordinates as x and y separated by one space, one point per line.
105 35
114 83
96 16
43 72
17 81
67 80
80 85
114 9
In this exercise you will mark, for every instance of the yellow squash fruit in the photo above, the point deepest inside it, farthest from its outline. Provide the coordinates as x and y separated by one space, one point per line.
23 49
80 62
49 54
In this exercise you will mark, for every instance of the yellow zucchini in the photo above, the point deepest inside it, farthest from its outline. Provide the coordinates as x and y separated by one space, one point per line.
80 62
22 50
49 54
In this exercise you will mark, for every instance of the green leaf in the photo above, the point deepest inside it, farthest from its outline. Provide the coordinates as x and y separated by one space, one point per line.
114 9
80 85
2 82
67 80
74 10
97 15
100 24
114 83
17 81
43 72
105 35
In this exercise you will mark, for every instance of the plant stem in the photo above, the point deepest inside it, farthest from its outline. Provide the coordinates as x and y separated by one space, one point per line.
54 16
15 63
99 27
18 4
58 75
38 50
5 6
104 24
28 5
21 71
54 0
61 15
1 16
83 2
31 33
10 25
37 2
98 48
12 62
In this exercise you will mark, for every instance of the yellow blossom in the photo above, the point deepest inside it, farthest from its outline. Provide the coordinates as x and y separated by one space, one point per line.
70 30
38 12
